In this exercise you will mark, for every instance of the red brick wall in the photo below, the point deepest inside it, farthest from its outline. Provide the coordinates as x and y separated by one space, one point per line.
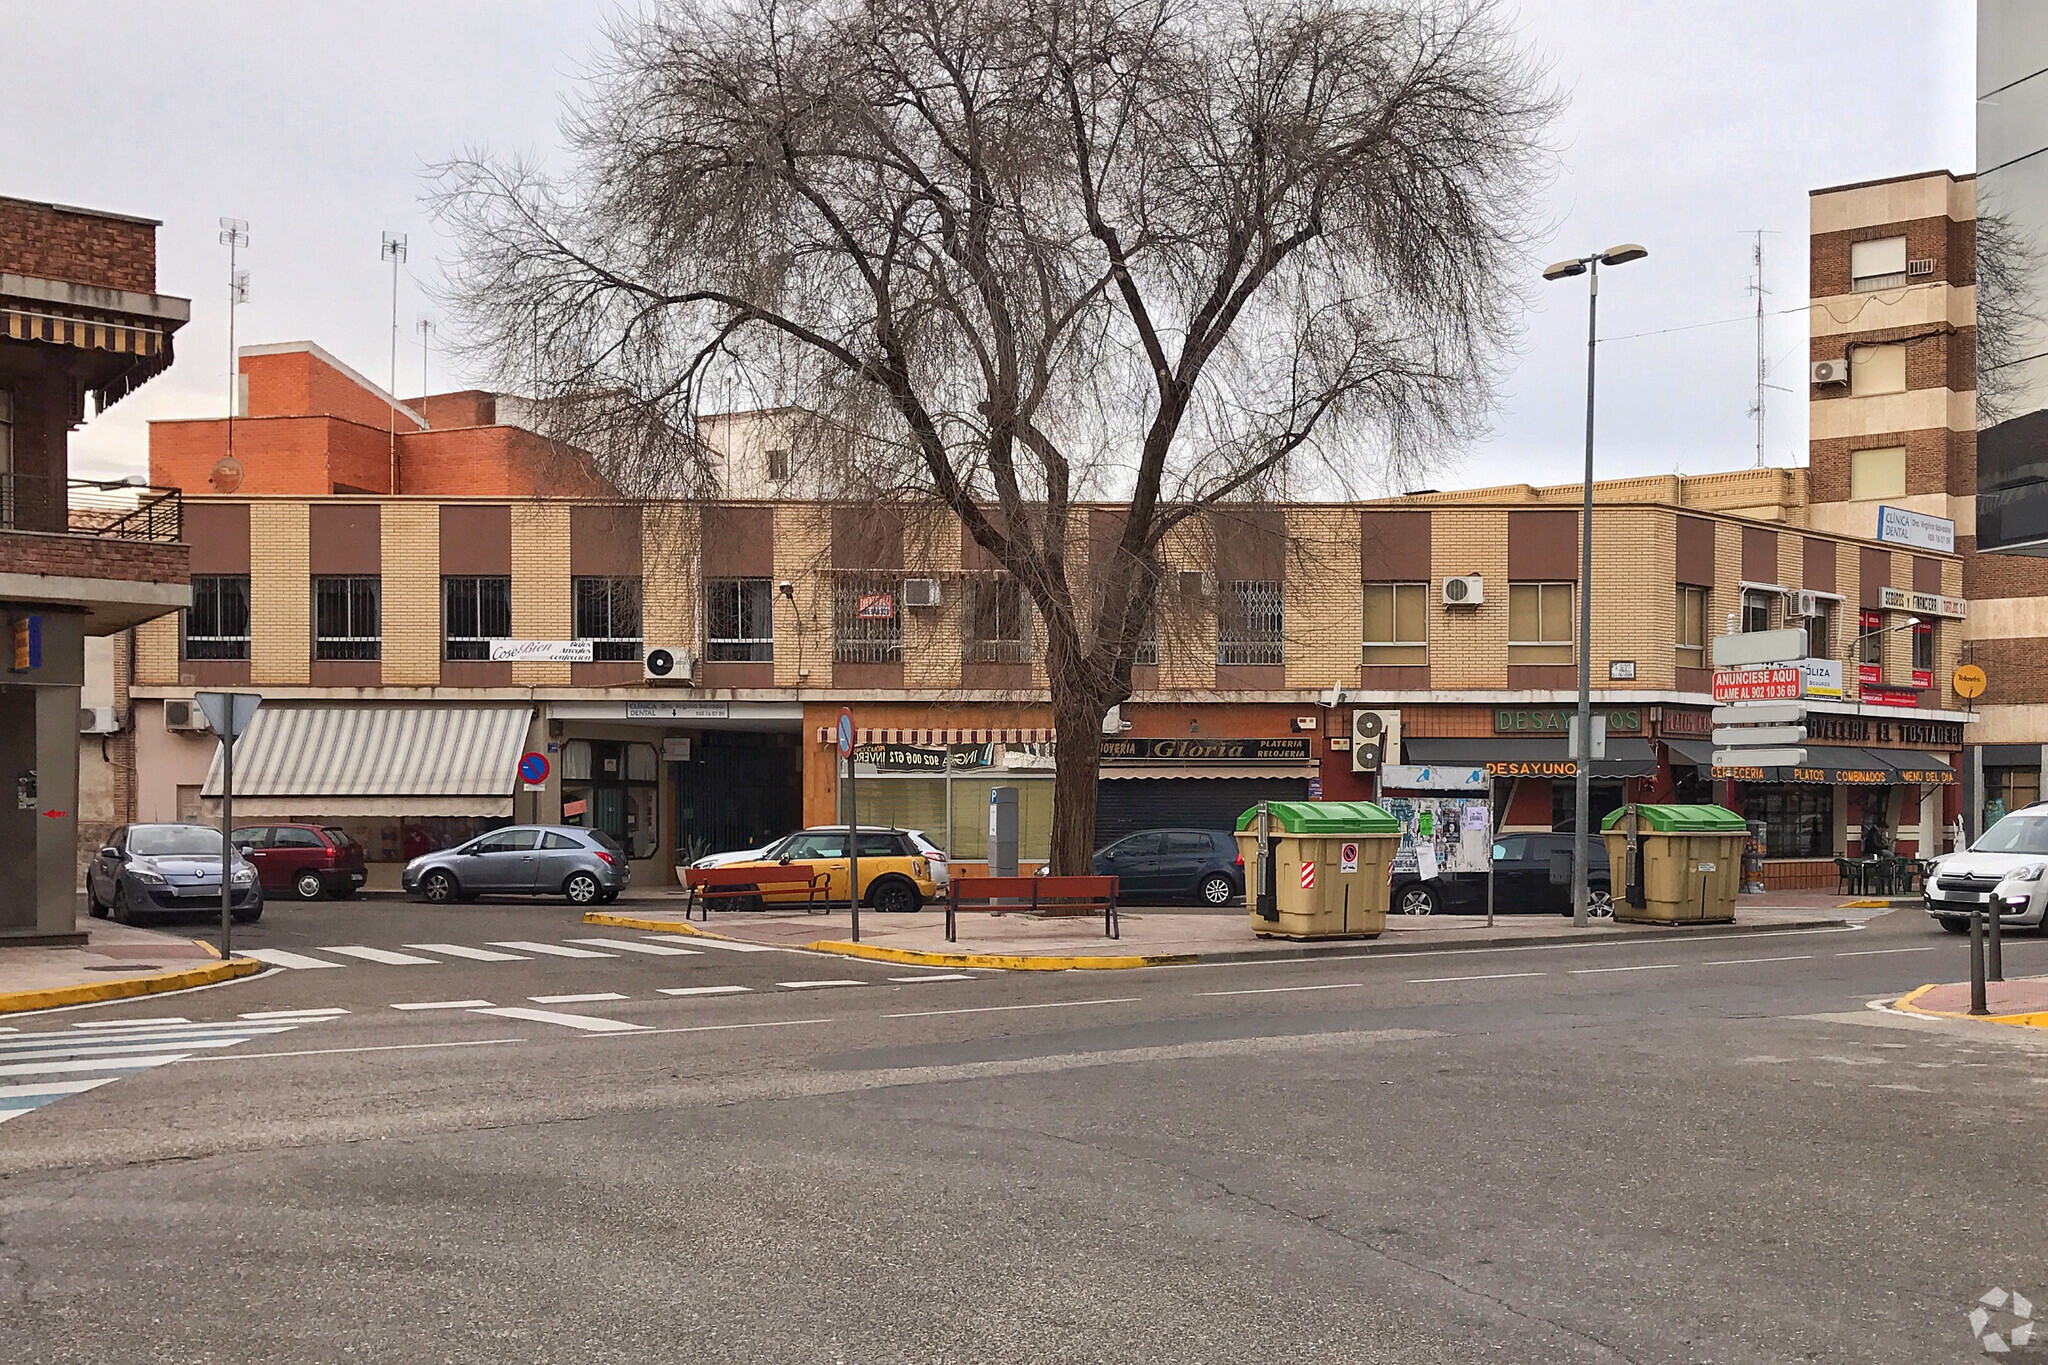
1951 245
492 462
299 384
69 556
304 456
470 408
77 245
1937 461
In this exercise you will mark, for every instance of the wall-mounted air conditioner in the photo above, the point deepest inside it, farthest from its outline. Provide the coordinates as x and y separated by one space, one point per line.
1831 371
1468 591
185 716
921 592
98 720
677 667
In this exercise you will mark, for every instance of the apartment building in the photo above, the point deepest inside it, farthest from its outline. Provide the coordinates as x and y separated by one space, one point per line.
412 647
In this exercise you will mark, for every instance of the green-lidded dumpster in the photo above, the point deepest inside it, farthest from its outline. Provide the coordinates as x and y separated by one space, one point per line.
1328 872
1685 865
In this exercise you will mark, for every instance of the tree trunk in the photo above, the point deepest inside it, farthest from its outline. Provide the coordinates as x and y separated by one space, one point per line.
1077 726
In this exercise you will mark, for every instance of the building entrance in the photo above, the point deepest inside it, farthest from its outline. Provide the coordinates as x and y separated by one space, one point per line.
739 789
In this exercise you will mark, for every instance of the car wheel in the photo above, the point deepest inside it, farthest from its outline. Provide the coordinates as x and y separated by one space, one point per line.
894 896
308 886
92 902
1955 924
581 889
121 911
1216 889
1599 902
438 888
248 916
607 897
1415 900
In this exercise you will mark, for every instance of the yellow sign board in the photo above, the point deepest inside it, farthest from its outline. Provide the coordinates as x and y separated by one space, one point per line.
1969 681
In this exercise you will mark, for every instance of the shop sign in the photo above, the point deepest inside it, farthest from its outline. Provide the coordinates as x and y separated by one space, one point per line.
1821 678
541 651
1927 734
677 710
1920 604
918 758
1560 768
1902 526
1621 670
1686 722
1786 683
1513 721
1126 750
1889 696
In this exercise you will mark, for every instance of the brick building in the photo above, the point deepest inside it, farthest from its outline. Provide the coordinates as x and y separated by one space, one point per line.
367 621
79 561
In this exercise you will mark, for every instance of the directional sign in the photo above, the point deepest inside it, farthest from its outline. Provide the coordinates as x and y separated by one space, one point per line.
533 768
1759 758
1759 713
1759 736
1759 647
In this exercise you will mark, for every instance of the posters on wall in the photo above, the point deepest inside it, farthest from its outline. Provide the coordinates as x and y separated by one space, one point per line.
1442 835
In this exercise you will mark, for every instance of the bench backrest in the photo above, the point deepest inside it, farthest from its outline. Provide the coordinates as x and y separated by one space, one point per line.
971 889
771 874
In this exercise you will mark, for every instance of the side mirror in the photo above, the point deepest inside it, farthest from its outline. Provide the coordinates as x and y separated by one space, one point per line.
110 852
246 849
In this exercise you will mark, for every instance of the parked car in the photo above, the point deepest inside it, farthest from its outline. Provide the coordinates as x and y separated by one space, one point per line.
1529 875
147 869
586 865
1175 864
900 869
2006 866
309 861
933 854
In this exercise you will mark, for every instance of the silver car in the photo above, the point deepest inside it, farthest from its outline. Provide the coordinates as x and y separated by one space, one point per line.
585 865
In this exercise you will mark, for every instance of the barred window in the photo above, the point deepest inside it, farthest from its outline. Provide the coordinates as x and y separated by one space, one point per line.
217 626
1249 625
739 620
867 624
346 617
608 615
474 612
995 623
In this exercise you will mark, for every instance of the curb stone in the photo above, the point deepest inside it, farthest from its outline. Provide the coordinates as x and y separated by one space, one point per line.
93 992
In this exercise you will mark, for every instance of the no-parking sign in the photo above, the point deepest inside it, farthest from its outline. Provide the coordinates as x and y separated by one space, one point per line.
533 768
1349 854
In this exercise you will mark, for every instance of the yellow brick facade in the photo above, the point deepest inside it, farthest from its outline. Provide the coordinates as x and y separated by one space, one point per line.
670 586
542 605
411 544
156 651
803 554
1321 595
1468 645
280 595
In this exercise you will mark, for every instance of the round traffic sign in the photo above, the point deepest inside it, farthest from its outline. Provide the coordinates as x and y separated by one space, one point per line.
1969 681
846 734
533 767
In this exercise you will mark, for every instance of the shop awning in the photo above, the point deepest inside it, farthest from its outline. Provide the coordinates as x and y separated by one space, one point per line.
1834 765
1520 756
342 760
1697 752
936 737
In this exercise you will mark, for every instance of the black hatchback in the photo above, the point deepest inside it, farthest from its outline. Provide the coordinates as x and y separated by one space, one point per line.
1174 864
1531 873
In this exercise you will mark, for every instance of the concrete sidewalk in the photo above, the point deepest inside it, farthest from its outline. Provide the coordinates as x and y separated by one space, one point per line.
1150 937
117 961
2022 1002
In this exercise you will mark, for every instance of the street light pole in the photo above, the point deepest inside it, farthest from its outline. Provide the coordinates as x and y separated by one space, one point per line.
1582 755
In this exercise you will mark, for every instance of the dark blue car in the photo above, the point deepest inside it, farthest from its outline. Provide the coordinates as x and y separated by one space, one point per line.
1175 864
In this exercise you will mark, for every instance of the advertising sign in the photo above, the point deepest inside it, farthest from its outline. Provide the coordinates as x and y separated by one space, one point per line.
1900 526
1759 684
875 606
1869 673
1821 678
1890 696
1295 749
1451 834
1433 778
1922 603
541 651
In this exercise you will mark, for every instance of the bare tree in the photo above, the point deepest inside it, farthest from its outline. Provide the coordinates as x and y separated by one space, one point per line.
1021 253
2009 323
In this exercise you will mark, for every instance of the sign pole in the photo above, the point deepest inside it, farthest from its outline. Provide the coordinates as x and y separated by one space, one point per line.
227 847
852 819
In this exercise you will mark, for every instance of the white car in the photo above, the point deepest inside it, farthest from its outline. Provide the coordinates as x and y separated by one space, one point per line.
2007 866
933 854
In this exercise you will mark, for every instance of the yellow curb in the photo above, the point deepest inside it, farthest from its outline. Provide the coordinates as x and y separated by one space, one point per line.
2035 1019
1864 905
658 926
14 1002
1013 962
211 950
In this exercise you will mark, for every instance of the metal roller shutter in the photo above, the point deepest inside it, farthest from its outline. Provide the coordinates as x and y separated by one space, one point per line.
1130 804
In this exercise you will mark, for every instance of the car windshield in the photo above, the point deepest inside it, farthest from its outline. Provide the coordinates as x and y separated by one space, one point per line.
2015 834
339 836
605 841
174 841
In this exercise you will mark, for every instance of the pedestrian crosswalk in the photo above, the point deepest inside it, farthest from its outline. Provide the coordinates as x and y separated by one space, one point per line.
41 1068
503 950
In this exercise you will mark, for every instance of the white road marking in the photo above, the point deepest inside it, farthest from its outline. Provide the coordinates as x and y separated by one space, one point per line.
336 1051
936 976
1745 961
297 1014
706 990
1880 952
8 1092
808 985
473 954
725 945
135 1023
651 949
1284 990
1646 967
278 957
1490 976
584 999
997 1009
124 1045
121 1063
550 949
443 1005
589 1023
383 955
719 1028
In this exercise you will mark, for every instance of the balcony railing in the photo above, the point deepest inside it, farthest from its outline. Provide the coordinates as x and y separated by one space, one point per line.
115 509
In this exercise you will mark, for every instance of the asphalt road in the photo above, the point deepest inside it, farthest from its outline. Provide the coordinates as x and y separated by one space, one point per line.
1689 1150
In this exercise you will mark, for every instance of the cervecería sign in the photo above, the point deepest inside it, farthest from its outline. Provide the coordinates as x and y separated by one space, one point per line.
1285 750
1509 720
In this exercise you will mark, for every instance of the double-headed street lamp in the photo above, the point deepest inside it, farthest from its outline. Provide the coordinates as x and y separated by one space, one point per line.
1582 759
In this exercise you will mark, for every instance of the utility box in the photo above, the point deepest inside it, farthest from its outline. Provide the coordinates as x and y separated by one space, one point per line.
1675 864
1002 832
1320 869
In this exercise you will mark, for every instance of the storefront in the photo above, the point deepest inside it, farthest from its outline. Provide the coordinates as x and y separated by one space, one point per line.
1198 782
1535 781
938 780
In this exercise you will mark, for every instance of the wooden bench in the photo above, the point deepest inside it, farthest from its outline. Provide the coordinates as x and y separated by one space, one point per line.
707 884
1034 895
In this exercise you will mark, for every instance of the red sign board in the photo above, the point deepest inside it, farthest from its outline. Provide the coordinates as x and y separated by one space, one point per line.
1757 684
1923 678
1890 696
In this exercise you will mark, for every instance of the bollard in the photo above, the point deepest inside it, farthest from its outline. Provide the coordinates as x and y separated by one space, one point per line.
1995 954
1977 1001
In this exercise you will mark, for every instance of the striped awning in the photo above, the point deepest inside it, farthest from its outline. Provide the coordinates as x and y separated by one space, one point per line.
938 737
148 344
419 760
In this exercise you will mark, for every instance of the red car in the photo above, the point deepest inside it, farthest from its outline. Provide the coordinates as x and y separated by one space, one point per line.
309 861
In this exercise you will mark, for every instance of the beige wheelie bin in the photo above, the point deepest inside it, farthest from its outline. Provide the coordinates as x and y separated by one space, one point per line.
1330 866
1686 867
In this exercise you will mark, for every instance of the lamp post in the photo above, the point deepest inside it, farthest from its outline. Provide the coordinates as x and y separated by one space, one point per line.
1582 760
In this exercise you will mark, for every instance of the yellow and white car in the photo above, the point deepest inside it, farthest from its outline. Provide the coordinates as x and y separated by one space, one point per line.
899 869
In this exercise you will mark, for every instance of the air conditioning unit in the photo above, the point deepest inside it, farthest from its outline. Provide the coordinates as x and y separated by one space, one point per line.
184 715
1831 371
674 666
1196 585
921 592
1468 591
1801 603
1375 739
1923 266
98 720
1113 722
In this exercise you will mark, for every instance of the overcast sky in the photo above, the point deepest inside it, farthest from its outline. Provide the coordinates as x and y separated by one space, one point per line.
1690 126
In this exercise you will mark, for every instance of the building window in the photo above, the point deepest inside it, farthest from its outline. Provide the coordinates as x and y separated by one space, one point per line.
346 617
1756 609
1396 624
1799 821
1879 264
867 627
1923 654
608 615
778 466
1691 630
2007 790
1249 624
1878 473
1870 646
474 612
1820 632
1877 369
739 620
1540 623
995 624
1147 653
217 626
